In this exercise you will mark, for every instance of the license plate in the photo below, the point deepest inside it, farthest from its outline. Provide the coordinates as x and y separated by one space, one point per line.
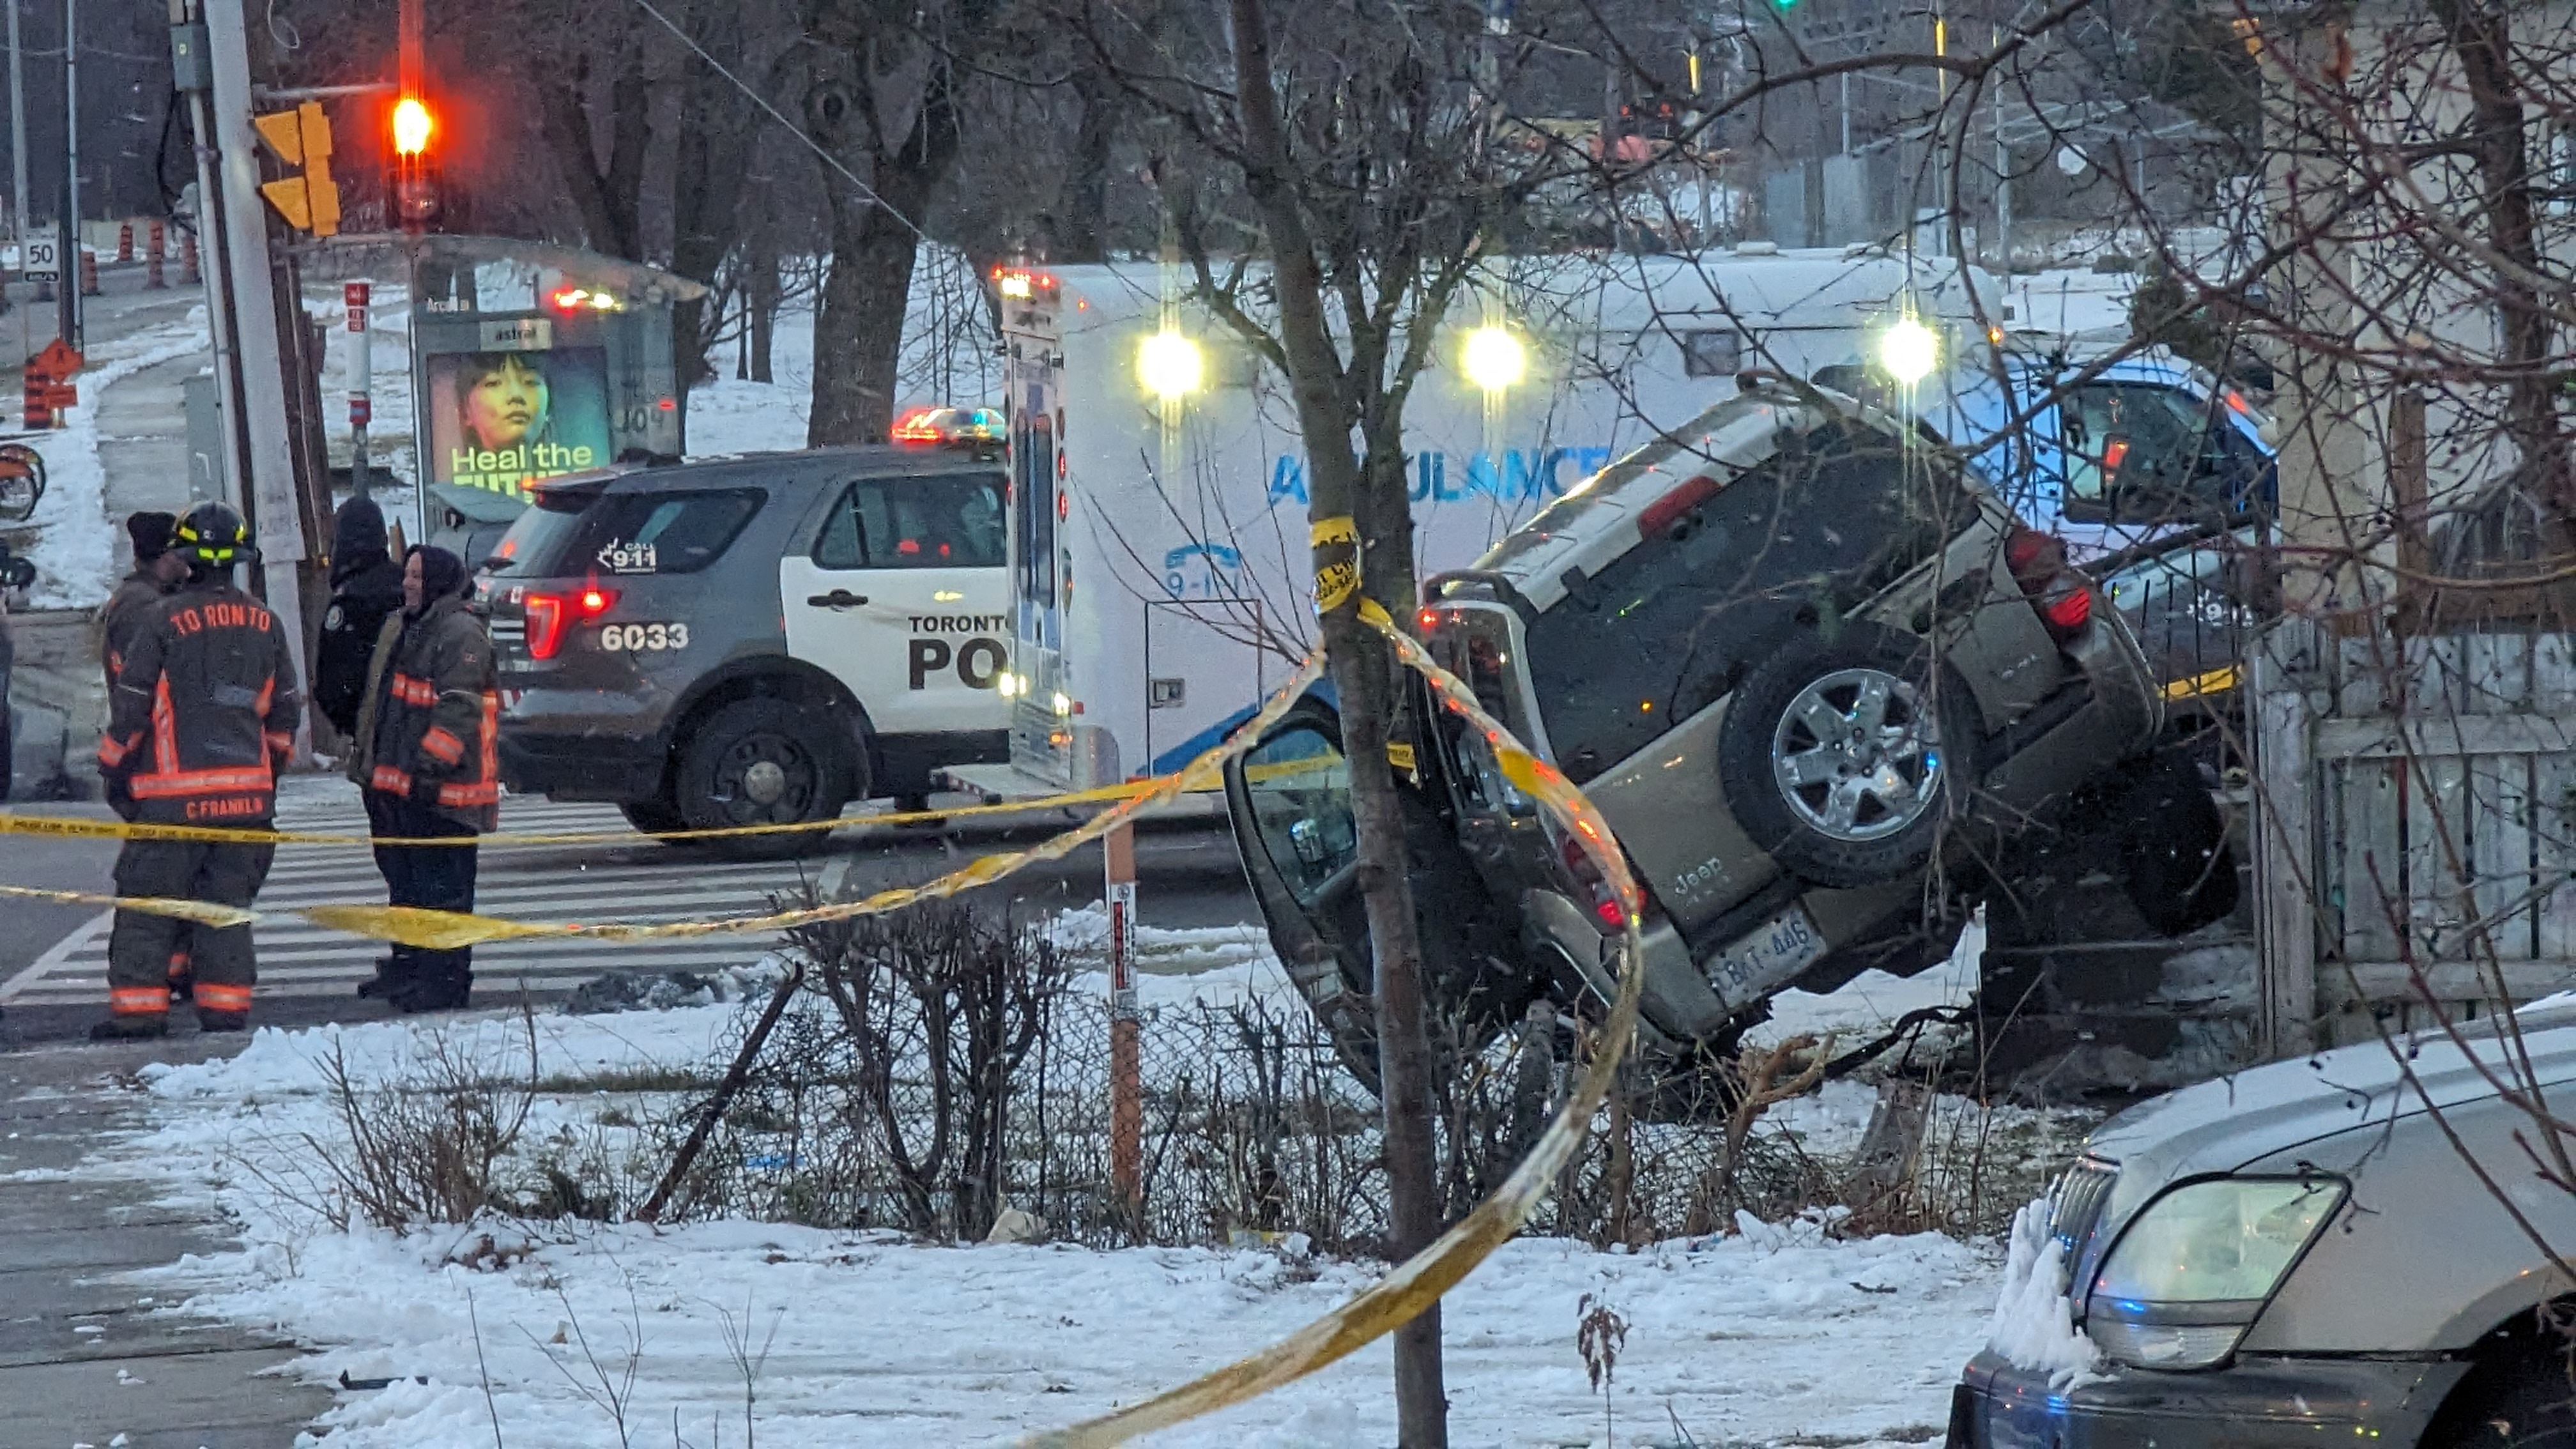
1763 957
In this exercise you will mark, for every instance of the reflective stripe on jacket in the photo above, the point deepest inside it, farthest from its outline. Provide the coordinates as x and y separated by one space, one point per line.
204 710
432 715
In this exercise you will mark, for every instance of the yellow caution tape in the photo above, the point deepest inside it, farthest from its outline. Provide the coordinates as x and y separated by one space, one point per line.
1419 1281
79 828
2214 681
1413 1286
446 930
1335 582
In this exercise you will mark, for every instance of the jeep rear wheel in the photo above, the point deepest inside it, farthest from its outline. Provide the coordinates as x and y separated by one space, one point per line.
763 762
1845 758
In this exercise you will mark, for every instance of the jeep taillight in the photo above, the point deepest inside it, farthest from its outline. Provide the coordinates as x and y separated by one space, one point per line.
2060 593
549 614
1604 901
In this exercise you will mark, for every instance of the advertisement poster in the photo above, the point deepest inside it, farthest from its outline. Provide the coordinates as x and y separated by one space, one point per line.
500 419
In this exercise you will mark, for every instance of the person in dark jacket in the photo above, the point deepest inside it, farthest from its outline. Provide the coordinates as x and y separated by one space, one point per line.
158 570
427 757
366 589
203 716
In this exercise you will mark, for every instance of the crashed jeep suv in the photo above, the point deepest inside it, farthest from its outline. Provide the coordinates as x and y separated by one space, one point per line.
1797 657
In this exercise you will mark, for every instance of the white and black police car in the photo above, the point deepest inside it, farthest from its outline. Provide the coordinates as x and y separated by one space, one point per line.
754 640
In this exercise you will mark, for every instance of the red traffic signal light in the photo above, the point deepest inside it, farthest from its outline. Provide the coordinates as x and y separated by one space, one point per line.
412 126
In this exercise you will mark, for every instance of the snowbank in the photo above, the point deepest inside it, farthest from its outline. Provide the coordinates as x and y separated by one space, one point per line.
1776 1332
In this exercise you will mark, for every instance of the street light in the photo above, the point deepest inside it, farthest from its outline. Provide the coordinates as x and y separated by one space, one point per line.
1170 366
1908 350
1494 358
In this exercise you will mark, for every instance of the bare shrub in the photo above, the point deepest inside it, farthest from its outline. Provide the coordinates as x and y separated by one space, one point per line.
427 1146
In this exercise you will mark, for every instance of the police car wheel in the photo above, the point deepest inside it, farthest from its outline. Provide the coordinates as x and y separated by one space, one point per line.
762 762
653 817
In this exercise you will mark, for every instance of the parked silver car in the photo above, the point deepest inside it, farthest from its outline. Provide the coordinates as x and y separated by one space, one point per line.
2315 1252
1796 656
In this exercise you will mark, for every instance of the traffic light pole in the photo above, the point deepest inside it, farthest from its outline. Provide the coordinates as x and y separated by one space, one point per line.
70 291
236 219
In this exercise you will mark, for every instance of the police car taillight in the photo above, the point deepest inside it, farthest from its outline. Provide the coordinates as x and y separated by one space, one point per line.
549 614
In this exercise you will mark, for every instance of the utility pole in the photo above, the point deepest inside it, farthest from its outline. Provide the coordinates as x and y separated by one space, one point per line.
17 135
241 290
2003 183
70 289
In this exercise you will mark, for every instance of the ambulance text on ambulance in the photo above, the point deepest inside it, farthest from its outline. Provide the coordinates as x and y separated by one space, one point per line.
1517 475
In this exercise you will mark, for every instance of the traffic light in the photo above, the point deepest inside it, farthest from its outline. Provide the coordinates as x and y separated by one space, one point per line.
417 203
412 127
302 139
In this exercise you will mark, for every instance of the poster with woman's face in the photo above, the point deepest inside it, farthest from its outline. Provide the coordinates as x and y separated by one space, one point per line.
500 419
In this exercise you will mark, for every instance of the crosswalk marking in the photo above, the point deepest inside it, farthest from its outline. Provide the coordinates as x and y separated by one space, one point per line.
629 882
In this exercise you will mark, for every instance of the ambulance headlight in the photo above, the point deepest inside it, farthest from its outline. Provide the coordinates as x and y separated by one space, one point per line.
1170 366
1062 702
1006 685
1494 358
1908 350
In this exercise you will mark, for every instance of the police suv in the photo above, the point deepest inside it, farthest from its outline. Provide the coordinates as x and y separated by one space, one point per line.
753 640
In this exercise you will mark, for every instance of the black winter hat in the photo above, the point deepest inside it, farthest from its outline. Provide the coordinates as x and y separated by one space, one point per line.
151 534
441 572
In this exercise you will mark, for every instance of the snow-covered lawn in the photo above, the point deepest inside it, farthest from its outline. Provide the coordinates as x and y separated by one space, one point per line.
1772 1334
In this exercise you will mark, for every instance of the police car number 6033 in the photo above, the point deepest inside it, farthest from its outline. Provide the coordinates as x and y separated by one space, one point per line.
645 637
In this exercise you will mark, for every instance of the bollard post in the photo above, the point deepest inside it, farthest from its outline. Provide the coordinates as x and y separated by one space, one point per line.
125 241
156 241
1126 1085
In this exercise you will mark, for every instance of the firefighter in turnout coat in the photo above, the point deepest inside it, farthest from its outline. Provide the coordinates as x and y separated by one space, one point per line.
137 600
202 719
427 756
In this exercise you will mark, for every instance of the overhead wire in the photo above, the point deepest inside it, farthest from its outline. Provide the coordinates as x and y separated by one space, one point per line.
866 191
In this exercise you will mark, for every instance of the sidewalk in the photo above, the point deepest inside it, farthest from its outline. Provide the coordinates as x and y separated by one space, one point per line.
85 1359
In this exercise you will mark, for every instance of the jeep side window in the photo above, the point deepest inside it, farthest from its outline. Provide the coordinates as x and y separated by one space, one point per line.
1301 803
2139 453
1670 626
953 521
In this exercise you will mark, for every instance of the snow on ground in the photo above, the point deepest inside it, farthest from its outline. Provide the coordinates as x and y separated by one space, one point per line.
1776 1333
75 546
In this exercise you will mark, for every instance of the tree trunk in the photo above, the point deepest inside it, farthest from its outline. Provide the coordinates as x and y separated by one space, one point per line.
858 326
1340 489
1082 217
2482 40
760 307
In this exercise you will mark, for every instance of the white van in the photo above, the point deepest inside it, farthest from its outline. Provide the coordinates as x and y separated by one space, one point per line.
1160 565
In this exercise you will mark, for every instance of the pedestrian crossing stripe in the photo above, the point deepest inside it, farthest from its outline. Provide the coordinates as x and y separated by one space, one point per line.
631 881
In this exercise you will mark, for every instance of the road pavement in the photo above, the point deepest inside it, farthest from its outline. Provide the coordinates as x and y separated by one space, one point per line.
53 960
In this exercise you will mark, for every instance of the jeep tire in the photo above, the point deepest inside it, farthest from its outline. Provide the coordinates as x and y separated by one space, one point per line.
1844 757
